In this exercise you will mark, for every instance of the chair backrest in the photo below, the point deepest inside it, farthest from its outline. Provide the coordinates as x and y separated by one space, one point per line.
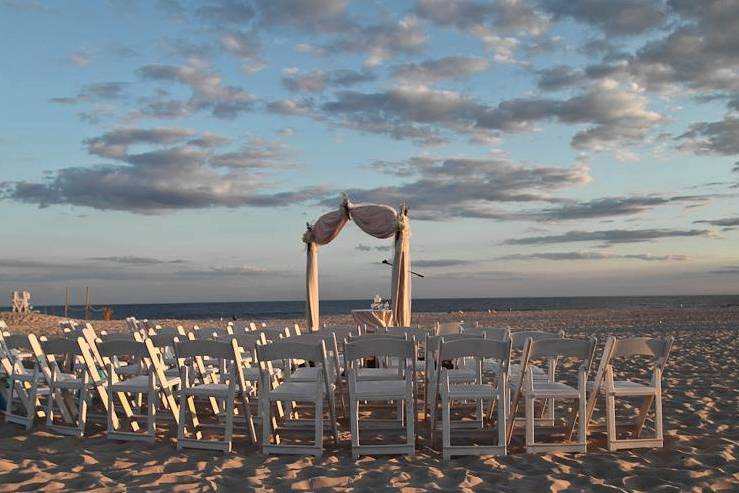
444 328
60 346
248 342
118 336
215 333
287 349
519 338
475 348
659 349
272 333
169 330
16 341
561 348
215 349
494 333
433 342
122 348
365 347
420 333
166 340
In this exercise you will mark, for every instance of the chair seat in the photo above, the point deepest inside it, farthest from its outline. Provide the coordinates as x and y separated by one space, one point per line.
626 387
380 389
129 370
469 391
27 376
461 374
68 381
377 374
306 374
172 373
209 390
297 391
134 384
551 389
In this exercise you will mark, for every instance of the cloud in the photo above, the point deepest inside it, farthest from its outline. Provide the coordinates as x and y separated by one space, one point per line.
440 263
173 175
617 116
729 222
447 68
720 137
291 107
133 260
730 270
614 17
208 92
442 188
609 206
227 12
559 77
381 42
593 255
246 46
319 80
310 15
80 58
232 271
378 248
613 236
90 93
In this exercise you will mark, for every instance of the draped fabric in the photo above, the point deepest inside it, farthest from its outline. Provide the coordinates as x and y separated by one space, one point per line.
380 221
401 280
311 287
375 220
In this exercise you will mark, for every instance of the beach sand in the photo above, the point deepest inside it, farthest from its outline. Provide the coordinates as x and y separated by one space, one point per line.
701 407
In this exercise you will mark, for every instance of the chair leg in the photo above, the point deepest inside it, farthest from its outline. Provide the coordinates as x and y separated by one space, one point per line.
82 414
228 432
411 423
151 402
50 406
181 424
530 420
502 422
658 415
611 420
642 417
582 420
319 426
446 425
265 406
354 424
32 405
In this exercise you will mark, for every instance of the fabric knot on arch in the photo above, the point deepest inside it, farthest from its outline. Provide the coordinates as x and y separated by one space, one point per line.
378 220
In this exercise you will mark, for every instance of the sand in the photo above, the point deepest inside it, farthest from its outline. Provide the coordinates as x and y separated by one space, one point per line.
701 407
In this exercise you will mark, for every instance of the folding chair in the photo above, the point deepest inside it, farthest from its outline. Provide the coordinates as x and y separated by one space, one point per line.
532 389
481 389
226 386
288 391
150 382
461 373
53 354
605 384
492 333
25 385
399 390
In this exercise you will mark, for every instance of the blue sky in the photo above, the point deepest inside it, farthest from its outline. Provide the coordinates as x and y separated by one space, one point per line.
174 150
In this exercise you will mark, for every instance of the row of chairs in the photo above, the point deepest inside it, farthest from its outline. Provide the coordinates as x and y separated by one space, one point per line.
226 372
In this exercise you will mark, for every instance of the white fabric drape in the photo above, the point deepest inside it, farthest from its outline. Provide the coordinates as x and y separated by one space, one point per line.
380 221
401 281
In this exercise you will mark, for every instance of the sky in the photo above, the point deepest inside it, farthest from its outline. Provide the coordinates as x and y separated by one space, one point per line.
173 150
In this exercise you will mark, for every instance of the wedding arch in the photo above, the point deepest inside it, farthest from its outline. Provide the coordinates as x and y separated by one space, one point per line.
380 221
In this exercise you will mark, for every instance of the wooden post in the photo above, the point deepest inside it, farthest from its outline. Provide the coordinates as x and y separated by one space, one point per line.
66 302
87 303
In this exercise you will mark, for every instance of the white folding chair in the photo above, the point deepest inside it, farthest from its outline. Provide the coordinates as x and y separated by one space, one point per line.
484 388
531 389
657 350
397 390
151 382
64 383
226 385
315 392
25 385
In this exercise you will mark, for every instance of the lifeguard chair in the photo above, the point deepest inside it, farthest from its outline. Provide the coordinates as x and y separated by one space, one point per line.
21 301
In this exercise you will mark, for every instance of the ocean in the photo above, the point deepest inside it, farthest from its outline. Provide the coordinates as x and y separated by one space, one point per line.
262 310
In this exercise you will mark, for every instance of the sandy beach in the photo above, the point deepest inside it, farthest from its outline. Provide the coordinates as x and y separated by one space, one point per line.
701 399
